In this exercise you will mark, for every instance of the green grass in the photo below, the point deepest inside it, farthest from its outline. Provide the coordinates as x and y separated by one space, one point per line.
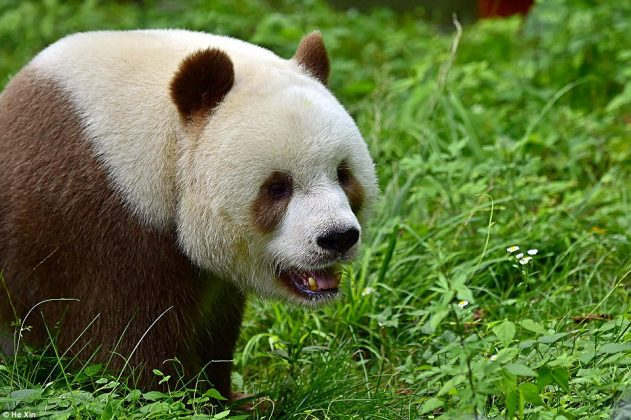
514 132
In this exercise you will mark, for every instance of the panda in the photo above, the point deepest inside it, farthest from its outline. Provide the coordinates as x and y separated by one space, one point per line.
152 179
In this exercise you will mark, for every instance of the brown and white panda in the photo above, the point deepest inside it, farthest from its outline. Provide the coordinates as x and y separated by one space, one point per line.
156 177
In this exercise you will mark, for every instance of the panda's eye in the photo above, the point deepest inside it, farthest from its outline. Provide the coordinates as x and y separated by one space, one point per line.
278 190
278 186
343 174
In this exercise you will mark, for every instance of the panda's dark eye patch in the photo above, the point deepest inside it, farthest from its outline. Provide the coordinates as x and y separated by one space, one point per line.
279 186
343 174
271 203
351 186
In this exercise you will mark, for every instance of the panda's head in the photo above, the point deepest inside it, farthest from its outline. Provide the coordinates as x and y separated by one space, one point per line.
274 178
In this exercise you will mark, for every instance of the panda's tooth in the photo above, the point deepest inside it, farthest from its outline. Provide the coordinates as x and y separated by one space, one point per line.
313 284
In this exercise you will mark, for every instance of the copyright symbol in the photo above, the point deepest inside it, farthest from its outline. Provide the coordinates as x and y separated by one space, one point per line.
5 414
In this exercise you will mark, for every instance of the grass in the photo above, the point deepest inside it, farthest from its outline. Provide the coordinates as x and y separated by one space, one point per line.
510 132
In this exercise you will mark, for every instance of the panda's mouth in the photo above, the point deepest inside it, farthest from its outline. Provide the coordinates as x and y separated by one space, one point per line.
314 284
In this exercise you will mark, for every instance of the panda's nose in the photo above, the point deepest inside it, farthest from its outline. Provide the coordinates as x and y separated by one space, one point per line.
339 240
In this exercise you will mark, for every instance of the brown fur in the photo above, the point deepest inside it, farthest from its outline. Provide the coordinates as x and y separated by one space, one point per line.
352 188
201 82
311 54
65 233
267 212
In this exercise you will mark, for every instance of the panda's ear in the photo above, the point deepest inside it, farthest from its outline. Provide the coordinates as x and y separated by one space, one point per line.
312 56
201 82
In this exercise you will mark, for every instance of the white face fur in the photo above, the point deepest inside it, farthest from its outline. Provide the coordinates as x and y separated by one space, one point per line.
291 126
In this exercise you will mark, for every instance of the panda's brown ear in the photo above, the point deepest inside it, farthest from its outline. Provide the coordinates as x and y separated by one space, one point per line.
201 82
312 56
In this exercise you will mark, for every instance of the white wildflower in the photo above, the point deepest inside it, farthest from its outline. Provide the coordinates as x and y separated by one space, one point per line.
463 304
477 109
493 358
532 251
519 256
368 291
512 249
525 260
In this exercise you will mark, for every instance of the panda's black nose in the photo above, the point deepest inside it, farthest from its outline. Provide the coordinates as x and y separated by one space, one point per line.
339 240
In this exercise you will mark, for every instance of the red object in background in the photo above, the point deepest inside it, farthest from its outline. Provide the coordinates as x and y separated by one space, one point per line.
502 8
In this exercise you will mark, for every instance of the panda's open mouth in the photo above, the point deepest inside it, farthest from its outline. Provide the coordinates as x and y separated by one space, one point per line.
312 284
